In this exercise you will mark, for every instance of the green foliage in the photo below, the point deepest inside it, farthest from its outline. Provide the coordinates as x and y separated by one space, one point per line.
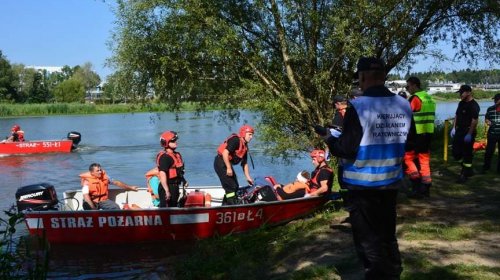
478 94
7 110
7 80
284 58
18 260
71 90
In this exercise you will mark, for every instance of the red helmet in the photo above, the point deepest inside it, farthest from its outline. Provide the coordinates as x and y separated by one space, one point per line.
245 129
15 128
167 137
319 155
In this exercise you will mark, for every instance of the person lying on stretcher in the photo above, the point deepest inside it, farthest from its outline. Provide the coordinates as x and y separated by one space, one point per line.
296 189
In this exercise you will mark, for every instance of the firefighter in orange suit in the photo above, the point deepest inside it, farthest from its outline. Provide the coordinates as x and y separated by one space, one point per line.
418 145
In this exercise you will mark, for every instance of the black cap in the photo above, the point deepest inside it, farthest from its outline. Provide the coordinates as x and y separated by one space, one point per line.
369 64
464 88
496 97
339 98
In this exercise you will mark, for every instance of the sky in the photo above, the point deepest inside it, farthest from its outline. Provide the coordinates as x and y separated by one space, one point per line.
73 32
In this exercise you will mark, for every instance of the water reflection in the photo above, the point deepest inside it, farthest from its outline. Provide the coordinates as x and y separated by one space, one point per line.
134 261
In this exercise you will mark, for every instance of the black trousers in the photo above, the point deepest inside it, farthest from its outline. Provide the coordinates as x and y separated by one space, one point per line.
373 220
493 142
174 195
229 183
460 149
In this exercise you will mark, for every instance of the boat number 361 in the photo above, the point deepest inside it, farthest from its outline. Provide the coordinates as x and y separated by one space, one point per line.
231 217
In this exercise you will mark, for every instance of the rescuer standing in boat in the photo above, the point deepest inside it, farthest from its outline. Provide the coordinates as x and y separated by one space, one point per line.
372 147
234 150
170 170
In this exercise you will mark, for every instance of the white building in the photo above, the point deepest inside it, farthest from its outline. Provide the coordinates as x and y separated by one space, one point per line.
443 87
396 86
49 69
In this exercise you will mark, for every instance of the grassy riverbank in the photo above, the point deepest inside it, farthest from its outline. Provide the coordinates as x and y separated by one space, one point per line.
12 110
452 235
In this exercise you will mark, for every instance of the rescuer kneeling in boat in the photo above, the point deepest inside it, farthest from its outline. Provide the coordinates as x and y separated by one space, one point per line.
322 176
233 151
95 185
16 135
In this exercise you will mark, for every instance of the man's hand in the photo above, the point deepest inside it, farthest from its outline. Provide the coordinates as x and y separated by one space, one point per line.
250 181
335 132
452 133
229 172
134 188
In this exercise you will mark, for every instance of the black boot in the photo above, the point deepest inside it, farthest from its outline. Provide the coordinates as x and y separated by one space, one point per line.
462 178
415 190
426 189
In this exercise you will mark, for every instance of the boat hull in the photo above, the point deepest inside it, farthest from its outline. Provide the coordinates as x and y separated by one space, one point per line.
36 147
145 225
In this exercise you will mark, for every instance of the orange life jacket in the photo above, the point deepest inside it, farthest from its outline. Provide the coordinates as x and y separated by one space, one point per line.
150 174
238 155
176 171
314 184
98 186
295 186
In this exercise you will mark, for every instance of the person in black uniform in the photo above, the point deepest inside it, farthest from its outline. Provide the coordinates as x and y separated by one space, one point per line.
492 119
233 151
170 170
371 147
464 131
340 103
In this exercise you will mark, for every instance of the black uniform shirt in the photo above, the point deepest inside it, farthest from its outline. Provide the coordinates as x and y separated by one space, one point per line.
466 112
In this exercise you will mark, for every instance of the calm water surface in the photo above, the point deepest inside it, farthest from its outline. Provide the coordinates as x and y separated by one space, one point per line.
126 145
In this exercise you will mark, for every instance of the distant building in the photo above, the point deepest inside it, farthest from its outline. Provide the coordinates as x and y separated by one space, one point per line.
443 87
489 87
396 86
49 69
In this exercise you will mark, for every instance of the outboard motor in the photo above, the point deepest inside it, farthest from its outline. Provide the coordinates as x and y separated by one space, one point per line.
38 197
76 137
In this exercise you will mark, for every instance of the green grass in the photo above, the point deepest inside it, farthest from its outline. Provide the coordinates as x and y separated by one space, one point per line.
418 267
436 231
9 110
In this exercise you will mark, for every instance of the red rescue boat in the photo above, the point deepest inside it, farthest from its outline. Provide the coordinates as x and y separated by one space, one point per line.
41 146
201 217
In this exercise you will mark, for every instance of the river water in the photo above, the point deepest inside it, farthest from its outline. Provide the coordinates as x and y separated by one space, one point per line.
126 145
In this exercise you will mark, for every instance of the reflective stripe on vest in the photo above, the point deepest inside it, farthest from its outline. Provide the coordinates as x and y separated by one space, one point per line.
424 119
381 151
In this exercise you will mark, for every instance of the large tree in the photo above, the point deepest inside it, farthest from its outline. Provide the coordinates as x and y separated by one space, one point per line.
286 58
8 80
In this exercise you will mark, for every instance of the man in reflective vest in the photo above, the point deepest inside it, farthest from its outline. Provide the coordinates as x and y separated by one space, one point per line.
372 147
418 145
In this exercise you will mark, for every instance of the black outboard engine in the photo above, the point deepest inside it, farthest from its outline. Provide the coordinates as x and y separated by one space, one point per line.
38 197
76 137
